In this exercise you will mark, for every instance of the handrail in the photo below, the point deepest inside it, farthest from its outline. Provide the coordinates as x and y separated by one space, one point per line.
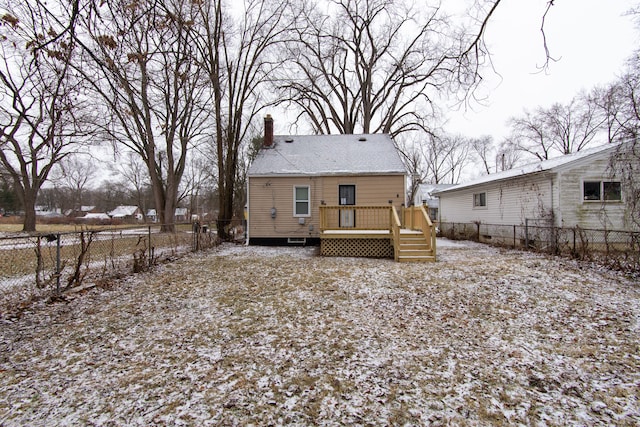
395 232
417 218
430 235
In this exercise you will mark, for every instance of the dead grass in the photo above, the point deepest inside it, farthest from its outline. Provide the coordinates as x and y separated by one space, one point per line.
270 336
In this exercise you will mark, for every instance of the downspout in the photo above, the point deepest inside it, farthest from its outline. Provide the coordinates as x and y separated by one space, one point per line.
246 225
553 209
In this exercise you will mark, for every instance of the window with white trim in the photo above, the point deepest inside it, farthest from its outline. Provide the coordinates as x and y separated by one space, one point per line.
480 200
601 191
301 200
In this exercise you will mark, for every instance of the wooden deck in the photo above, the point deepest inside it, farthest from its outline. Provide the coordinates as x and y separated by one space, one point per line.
377 232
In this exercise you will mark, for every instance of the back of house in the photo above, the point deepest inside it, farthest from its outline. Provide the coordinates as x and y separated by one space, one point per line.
293 175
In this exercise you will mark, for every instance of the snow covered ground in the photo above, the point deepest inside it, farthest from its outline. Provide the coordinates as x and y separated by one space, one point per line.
272 336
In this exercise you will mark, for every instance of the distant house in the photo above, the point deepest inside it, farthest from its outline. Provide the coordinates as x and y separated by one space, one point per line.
81 212
424 196
293 176
48 213
578 189
98 216
126 213
181 214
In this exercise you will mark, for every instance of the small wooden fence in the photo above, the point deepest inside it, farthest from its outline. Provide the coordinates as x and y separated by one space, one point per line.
355 217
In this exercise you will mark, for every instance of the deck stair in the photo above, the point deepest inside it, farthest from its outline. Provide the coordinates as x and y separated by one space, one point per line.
414 247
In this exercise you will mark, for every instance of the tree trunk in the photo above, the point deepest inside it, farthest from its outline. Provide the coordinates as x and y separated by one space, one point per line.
29 203
169 225
224 214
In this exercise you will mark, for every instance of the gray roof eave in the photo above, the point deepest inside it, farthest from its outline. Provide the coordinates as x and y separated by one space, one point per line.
462 187
321 174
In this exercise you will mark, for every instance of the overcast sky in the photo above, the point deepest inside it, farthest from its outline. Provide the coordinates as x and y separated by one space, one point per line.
590 38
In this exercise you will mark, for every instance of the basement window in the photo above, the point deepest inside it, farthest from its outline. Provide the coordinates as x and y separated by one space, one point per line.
301 201
601 191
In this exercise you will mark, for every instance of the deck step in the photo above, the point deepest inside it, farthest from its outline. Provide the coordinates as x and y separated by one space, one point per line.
403 258
413 247
415 252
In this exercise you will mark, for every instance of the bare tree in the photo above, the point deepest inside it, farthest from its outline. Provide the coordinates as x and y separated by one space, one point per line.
197 183
507 155
445 158
412 155
238 56
558 129
145 70
611 100
528 134
374 65
74 175
38 95
483 148
574 125
457 156
625 163
134 176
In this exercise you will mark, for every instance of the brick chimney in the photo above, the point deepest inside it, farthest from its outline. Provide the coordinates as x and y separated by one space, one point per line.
268 131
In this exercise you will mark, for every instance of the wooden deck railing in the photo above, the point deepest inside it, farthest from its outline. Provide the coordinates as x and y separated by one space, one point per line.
354 217
417 218
396 225
378 218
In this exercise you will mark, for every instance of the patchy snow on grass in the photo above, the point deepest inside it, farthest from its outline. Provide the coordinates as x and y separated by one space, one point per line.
271 336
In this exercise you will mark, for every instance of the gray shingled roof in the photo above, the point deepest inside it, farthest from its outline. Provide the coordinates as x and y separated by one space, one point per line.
531 168
317 155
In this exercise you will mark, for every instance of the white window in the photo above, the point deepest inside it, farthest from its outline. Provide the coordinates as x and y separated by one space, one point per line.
601 191
301 200
480 200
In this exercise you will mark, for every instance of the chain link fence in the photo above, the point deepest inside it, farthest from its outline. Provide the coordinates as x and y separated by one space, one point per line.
37 266
615 249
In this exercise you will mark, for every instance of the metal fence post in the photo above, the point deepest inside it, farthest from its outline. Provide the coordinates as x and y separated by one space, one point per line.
150 246
58 263
514 237
526 233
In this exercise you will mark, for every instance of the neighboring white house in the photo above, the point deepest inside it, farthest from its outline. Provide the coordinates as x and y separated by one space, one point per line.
126 212
424 196
96 216
578 189
180 215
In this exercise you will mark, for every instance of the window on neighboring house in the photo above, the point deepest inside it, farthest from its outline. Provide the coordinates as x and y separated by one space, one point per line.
480 200
301 201
433 214
608 191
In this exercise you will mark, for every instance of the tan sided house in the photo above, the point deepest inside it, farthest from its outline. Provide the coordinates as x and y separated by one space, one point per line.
342 191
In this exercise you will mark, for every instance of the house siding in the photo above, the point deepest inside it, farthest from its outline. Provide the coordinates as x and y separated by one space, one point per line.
268 192
597 215
373 190
508 202
551 190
